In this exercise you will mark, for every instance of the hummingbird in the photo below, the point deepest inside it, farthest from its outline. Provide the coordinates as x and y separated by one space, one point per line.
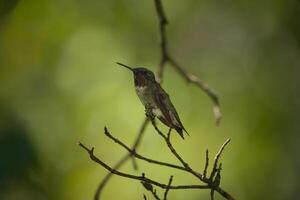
155 99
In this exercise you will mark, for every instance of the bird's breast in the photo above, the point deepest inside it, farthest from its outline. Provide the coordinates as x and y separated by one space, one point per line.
140 89
145 95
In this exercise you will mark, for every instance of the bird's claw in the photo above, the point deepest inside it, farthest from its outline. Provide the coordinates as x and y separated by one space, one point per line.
149 114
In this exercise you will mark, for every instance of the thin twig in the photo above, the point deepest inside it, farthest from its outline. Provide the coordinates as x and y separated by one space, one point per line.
154 194
150 188
206 164
217 180
138 156
211 184
224 194
168 188
140 178
138 141
166 57
174 152
217 157
123 160
212 193
163 39
190 170
190 78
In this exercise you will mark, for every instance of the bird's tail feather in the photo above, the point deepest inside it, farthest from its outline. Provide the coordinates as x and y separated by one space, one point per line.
179 131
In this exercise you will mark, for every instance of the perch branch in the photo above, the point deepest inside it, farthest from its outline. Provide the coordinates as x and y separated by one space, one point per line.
209 181
212 184
174 152
198 175
142 178
138 156
188 169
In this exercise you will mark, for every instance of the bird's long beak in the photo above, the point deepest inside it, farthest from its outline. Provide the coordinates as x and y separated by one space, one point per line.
130 68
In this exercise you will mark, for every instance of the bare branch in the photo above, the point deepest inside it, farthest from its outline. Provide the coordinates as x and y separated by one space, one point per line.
224 194
212 193
217 180
138 156
206 164
167 139
123 160
212 184
166 57
140 178
150 188
217 157
138 141
190 170
174 152
163 39
168 188
155 195
202 85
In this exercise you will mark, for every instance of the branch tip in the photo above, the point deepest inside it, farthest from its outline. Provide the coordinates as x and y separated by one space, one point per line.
105 129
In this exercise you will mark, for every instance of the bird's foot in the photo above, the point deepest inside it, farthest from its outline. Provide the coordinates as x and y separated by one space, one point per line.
149 114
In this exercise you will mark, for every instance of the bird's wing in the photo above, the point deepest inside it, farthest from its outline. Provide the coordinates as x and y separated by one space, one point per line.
170 114
168 110
162 106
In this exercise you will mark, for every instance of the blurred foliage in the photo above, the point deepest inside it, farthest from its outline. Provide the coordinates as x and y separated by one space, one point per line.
59 84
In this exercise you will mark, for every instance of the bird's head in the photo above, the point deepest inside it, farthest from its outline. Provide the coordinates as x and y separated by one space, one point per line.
142 76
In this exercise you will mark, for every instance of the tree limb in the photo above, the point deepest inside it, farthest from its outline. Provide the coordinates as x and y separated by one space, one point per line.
138 156
140 178
211 183
123 160
166 57
202 178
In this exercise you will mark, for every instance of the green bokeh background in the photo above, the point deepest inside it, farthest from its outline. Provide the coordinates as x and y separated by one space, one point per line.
59 84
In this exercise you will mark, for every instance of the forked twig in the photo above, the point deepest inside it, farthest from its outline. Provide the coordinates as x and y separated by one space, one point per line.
217 157
135 145
142 178
212 183
138 156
